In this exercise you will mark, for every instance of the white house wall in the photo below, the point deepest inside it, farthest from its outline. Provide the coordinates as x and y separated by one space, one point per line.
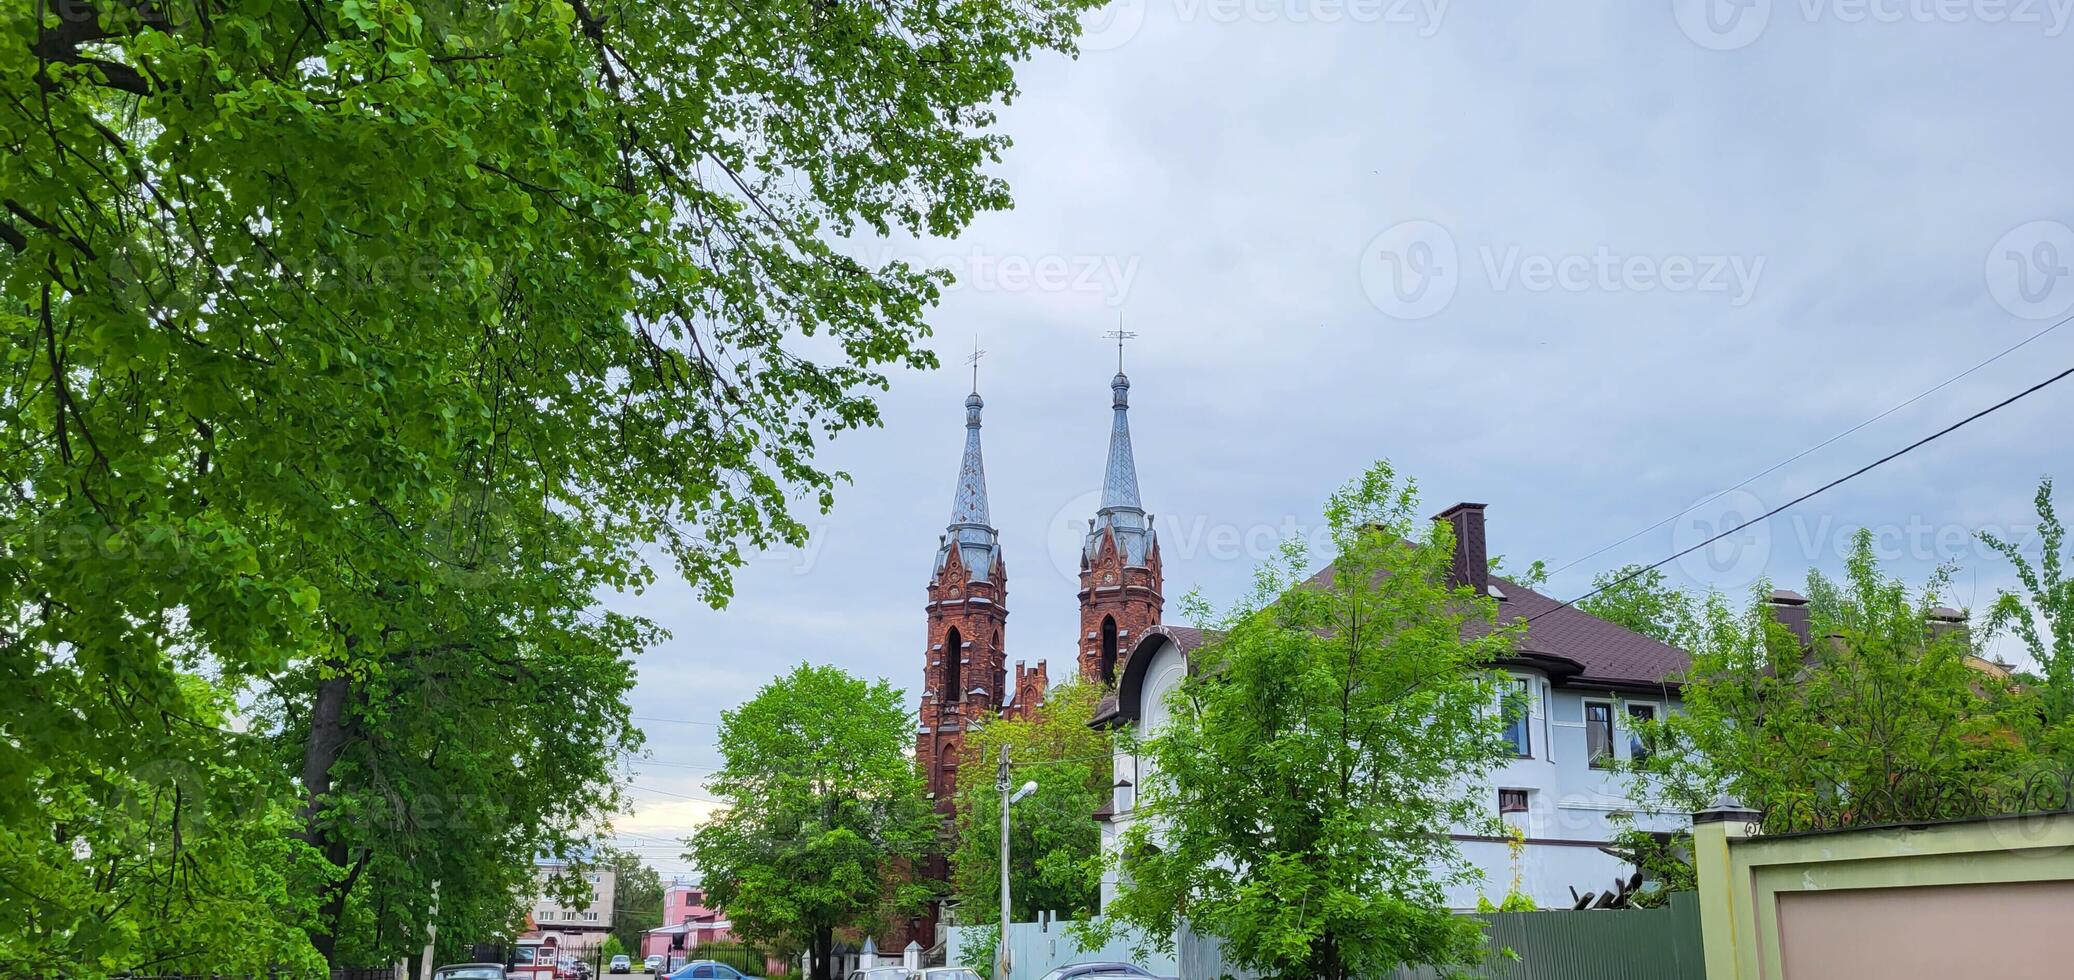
1570 803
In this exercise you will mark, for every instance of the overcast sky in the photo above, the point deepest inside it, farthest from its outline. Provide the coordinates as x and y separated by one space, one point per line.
1589 264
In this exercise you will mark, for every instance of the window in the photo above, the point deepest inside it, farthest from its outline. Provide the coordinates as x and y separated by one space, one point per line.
1638 741
1518 711
1512 801
1109 650
1598 733
953 666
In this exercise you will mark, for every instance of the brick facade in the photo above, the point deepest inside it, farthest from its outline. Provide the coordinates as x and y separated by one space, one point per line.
965 666
1118 603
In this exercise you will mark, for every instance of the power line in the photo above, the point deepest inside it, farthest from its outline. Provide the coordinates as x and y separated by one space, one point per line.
682 796
1946 383
1860 471
636 761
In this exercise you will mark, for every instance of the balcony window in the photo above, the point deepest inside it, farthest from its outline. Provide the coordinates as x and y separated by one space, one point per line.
1512 801
1598 733
1518 711
1639 715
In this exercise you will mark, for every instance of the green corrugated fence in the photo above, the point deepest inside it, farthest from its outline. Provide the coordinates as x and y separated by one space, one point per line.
1624 944
1609 944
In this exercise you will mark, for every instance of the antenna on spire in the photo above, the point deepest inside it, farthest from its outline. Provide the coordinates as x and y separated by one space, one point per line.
973 359
1120 335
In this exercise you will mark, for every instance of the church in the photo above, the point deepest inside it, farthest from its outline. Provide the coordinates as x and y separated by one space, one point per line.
966 677
1584 681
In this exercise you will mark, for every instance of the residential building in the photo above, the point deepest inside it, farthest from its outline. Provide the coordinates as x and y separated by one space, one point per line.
576 926
688 923
1582 684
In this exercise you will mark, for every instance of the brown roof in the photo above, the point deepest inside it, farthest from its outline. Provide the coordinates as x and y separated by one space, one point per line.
1576 647
1605 651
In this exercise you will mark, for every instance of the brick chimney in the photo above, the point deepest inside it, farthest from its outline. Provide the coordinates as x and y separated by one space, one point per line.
1472 566
1790 608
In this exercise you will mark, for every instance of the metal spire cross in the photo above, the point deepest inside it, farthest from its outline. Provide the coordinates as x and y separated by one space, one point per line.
973 359
1120 335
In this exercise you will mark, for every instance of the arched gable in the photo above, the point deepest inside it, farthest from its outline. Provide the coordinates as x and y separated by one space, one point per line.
1161 644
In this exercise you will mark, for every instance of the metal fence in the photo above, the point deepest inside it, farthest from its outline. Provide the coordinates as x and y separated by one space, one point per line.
1606 944
1041 947
1610 944
337 973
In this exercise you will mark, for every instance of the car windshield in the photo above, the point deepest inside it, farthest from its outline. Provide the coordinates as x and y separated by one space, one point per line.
470 973
955 974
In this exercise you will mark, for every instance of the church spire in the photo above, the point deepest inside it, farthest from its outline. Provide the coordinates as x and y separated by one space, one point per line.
1120 478
970 504
1122 513
1120 576
971 531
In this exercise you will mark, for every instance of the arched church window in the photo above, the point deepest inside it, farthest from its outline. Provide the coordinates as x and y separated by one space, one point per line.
1108 649
953 666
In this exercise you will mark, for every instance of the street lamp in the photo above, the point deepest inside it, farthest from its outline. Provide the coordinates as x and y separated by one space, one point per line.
1001 957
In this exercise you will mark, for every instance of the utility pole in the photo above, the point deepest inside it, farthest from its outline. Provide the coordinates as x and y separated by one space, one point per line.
1001 782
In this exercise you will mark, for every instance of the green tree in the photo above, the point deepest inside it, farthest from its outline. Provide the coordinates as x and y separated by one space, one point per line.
199 824
1297 806
638 897
1638 598
1053 835
354 348
2047 600
1882 719
825 817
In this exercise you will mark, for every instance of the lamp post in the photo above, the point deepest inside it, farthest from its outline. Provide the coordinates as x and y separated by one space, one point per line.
1001 957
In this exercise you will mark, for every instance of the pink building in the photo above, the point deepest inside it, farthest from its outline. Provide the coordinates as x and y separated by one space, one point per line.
688 923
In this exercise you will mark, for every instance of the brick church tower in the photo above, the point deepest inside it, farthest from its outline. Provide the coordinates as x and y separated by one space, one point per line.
964 676
1120 576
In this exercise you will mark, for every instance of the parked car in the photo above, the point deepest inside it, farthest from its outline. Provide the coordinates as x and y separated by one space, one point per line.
620 964
709 970
883 973
1086 971
652 964
469 971
948 973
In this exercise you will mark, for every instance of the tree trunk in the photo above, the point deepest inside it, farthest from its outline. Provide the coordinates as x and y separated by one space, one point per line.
823 953
1325 962
326 740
